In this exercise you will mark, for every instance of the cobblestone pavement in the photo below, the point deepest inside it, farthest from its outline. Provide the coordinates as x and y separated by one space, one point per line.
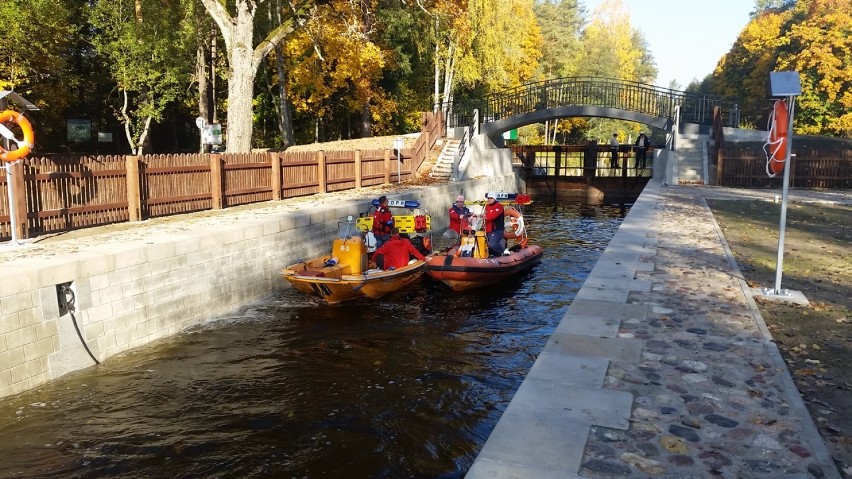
712 396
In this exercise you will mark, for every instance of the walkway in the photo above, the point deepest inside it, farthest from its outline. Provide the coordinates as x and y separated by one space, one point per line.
662 366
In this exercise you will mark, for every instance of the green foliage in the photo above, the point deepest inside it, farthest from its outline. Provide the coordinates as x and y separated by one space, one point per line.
561 22
149 57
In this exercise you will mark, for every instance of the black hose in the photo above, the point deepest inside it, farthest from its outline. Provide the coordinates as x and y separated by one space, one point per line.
69 305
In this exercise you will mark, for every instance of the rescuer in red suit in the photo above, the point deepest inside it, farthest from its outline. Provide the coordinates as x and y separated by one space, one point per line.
396 252
494 225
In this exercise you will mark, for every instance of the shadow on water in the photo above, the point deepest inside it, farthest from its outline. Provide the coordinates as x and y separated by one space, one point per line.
409 386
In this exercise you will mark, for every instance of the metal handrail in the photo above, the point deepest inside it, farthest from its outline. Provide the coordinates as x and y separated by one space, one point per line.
602 92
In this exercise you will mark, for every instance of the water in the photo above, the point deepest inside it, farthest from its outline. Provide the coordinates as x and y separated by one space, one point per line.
406 387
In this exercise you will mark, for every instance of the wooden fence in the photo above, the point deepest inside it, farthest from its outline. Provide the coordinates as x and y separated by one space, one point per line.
60 193
745 166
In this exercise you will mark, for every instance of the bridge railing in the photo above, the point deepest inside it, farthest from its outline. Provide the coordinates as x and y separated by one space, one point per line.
578 161
601 92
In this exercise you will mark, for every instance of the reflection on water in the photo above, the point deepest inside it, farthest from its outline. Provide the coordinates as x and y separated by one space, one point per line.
409 386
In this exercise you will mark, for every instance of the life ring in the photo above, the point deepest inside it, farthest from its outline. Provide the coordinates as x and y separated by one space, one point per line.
777 143
517 220
25 145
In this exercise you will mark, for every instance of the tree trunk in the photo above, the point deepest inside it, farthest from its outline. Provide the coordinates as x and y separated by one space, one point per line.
203 88
243 60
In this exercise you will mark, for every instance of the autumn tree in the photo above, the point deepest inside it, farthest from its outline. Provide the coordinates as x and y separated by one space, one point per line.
818 44
812 37
612 48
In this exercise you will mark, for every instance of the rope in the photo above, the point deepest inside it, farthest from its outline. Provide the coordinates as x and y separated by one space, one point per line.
70 298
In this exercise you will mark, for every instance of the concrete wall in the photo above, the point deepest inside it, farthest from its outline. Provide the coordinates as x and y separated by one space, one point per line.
485 159
130 293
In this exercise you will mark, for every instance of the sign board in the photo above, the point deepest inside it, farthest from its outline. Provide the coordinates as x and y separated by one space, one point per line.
785 83
510 135
79 131
212 134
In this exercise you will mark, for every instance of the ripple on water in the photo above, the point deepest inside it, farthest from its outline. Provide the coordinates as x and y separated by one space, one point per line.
408 386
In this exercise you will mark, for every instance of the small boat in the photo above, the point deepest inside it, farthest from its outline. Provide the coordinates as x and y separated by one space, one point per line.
347 272
468 265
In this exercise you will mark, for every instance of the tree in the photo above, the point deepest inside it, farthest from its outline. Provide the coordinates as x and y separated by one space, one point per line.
818 45
561 22
237 25
146 44
34 59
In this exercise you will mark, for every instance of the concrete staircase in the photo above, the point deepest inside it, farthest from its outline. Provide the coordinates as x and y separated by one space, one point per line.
691 153
443 167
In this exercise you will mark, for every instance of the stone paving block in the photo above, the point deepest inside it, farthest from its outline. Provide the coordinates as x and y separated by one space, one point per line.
560 400
496 469
602 294
599 318
555 442
619 349
581 371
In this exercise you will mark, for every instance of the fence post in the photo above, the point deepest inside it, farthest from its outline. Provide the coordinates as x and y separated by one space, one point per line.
134 197
217 182
20 206
387 166
321 177
358 173
275 161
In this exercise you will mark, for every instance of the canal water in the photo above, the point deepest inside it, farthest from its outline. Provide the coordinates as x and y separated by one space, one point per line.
409 386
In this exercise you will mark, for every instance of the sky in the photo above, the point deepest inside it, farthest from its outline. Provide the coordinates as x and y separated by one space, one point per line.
687 38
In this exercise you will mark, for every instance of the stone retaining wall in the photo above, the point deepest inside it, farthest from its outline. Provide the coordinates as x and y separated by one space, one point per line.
128 294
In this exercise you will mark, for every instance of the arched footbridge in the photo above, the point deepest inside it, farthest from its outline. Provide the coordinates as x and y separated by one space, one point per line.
662 108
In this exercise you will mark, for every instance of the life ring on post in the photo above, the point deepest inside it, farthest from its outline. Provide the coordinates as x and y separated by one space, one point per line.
25 145
779 122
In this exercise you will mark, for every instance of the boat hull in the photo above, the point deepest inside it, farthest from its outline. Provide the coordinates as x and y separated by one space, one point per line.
461 273
334 285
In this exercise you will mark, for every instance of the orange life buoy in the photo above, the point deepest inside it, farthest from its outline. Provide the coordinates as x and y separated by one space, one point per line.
25 145
778 137
518 231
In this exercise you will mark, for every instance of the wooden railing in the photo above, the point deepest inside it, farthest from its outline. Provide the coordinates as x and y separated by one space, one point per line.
60 193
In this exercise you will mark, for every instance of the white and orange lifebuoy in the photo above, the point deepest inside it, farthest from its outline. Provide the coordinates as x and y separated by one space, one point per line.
25 145
518 231
779 122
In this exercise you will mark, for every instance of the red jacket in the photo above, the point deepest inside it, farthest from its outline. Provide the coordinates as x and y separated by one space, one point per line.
382 221
494 217
456 214
397 251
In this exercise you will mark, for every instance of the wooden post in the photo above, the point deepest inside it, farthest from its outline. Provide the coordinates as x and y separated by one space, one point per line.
134 196
22 226
275 161
321 178
358 172
217 182
387 166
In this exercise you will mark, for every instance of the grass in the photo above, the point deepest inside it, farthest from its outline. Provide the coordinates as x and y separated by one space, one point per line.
815 340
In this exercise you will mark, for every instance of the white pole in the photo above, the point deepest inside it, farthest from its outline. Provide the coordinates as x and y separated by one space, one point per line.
791 101
13 217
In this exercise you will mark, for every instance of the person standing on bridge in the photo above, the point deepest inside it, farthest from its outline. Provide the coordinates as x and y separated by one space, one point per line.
642 144
613 149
